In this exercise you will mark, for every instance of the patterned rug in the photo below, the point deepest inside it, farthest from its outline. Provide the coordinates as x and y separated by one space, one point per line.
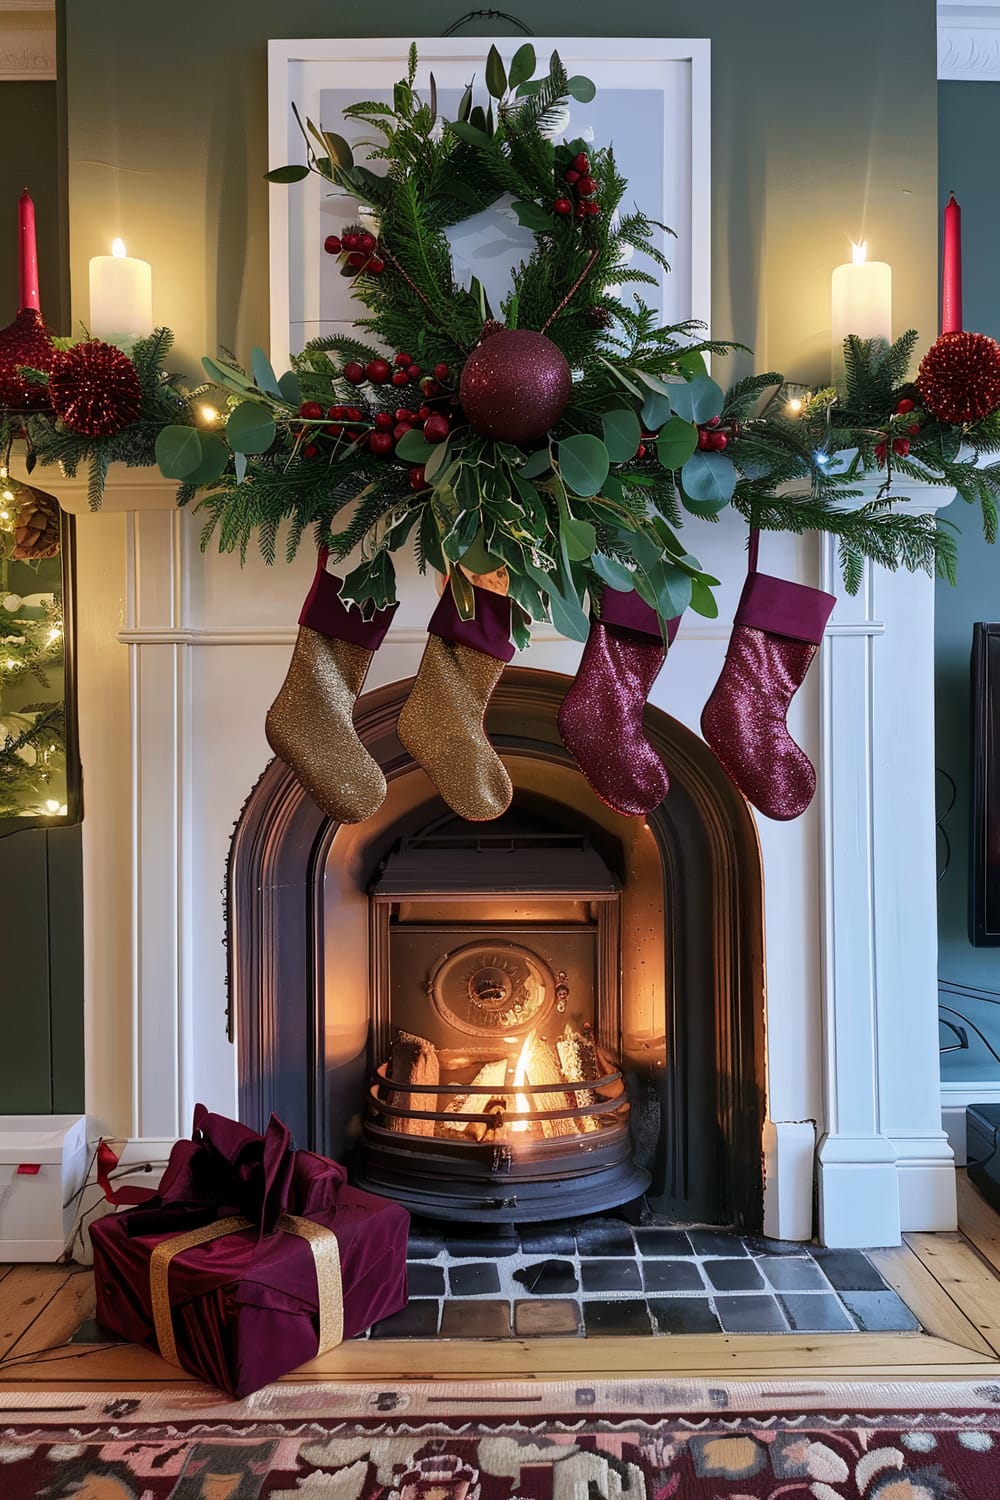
511 1441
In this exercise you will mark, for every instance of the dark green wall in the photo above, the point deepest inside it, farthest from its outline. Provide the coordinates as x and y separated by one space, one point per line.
823 128
30 159
41 881
968 125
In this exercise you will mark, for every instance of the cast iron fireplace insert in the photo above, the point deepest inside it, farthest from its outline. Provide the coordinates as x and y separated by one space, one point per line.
497 1093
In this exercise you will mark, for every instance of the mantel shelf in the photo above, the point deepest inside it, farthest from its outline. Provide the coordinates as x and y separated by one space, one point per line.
125 489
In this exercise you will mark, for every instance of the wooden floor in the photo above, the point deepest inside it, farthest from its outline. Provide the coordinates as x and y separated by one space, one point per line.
950 1281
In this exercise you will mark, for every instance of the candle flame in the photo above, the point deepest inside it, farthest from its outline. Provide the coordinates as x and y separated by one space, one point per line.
118 249
859 252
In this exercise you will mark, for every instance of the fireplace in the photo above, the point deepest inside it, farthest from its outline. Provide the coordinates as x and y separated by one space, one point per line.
496 1011
542 1017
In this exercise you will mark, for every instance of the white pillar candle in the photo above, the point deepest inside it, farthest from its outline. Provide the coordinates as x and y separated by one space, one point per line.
860 302
121 296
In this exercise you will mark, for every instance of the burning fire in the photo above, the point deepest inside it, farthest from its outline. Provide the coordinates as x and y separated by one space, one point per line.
522 1105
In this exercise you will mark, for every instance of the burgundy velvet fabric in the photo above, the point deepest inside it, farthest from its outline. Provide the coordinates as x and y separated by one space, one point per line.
488 631
325 612
628 612
245 1306
784 608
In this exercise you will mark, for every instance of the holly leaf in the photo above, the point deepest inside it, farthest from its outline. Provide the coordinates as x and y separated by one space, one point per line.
251 428
583 463
530 216
622 434
286 174
676 443
463 533
372 585
430 542
463 595
522 65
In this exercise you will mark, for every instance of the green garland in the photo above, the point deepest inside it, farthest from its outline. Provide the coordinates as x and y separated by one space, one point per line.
646 438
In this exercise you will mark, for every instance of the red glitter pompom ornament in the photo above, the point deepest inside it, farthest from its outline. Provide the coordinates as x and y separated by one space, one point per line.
959 377
515 386
95 389
26 341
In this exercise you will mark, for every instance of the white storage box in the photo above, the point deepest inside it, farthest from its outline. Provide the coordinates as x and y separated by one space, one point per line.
43 1165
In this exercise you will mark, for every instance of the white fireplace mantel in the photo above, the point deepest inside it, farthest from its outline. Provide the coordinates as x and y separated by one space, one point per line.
180 655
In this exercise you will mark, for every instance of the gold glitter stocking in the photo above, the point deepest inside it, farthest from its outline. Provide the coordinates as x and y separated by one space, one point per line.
310 726
441 725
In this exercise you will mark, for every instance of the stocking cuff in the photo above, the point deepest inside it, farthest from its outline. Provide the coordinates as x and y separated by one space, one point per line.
488 631
627 611
783 608
325 612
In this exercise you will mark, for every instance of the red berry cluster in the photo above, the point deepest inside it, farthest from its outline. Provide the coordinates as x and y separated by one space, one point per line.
390 427
711 437
402 371
335 422
582 187
900 445
357 249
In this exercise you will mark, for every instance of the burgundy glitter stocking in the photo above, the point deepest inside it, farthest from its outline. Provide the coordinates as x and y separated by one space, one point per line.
600 720
776 631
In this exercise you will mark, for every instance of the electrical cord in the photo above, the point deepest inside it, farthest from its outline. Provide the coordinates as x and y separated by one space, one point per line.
983 1161
940 820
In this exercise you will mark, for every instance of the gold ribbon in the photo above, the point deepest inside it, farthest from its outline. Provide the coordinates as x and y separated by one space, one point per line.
326 1257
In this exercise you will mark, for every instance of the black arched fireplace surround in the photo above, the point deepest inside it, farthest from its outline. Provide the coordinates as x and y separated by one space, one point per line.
643 938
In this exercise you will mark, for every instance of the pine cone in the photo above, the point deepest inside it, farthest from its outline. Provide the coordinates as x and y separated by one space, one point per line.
599 316
490 327
36 529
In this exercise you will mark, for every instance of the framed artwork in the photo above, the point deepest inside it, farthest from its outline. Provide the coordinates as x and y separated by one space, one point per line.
652 106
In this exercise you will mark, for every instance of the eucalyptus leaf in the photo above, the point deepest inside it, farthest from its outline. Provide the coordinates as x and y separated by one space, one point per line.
578 537
703 601
291 390
264 375
287 174
655 410
251 428
581 89
708 478
226 376
522 65
240 465
415 449
612 572
676 443
214 460
178 451
622 434
583 463
536 463
496 73
692 363
697 400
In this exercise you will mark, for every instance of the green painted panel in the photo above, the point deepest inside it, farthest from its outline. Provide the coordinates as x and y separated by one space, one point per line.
25 1081
65 938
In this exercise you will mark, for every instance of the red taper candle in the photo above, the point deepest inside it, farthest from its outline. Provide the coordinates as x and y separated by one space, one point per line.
27 252
951 269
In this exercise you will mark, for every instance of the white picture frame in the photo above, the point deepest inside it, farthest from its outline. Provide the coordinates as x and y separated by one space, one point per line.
652 105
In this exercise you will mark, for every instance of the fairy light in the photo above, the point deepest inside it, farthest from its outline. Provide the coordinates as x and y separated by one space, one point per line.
795 406
52 805
54 633
209 414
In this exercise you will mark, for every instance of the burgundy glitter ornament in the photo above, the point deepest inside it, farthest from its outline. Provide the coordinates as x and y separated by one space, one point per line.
515 386
959 377
95 389
26 341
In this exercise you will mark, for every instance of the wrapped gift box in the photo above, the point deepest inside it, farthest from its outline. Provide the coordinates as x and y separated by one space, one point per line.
251 1258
